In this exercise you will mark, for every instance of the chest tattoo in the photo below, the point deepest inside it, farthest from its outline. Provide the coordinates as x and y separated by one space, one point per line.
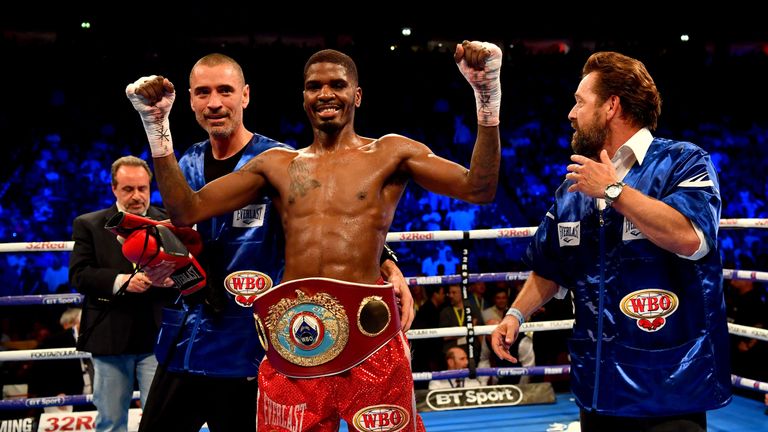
301 181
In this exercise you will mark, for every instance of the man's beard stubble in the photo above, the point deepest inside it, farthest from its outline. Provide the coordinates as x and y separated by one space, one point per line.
221 133
589 142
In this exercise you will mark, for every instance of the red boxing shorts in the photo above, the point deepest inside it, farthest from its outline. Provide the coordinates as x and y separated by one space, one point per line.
334 350
376 395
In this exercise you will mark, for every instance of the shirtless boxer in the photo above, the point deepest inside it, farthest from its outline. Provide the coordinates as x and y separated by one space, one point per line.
335 349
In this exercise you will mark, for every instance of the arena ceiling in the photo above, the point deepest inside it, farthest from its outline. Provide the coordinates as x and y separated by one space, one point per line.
383 21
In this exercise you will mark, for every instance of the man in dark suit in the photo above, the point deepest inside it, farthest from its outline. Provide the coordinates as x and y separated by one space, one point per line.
119 324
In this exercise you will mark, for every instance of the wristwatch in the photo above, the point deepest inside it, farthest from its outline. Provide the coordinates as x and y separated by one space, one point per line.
612 192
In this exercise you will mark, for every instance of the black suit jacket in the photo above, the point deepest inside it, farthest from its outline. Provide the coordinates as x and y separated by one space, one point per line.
126 324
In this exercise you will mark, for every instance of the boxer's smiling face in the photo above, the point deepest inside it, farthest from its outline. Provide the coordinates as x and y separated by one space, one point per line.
132 189
330 96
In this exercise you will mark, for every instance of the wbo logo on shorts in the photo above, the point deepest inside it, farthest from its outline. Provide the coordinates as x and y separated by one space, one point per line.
381 418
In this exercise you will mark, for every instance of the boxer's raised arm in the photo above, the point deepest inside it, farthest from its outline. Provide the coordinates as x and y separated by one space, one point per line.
480 63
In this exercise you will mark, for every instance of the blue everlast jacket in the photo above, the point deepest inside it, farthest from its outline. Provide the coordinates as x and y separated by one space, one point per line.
650 336
243 253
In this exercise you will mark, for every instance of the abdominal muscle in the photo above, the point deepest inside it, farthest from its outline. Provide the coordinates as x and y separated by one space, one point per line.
333 247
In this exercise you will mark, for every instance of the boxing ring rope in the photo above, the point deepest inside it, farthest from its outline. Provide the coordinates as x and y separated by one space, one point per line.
481 234
49 401
495 233
42 299
74 299
45 246
72 353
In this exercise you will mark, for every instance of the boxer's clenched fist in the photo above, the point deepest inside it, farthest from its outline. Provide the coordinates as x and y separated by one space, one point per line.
153 98
480 63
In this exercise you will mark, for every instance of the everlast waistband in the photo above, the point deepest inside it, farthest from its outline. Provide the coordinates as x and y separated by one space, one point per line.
318 327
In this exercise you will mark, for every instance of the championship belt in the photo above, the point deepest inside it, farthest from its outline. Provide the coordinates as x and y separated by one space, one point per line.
318 327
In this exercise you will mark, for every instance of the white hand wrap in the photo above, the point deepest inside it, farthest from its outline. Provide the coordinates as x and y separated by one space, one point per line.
515 312
487 85
154 117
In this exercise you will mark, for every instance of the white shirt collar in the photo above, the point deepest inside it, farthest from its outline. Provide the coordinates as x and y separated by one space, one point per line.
638 144
633 150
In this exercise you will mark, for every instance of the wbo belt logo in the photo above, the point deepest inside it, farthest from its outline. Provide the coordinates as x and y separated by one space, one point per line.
308 330
245 285
650 307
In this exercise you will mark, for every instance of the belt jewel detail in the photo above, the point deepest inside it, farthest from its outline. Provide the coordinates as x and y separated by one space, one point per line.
373 316
308 331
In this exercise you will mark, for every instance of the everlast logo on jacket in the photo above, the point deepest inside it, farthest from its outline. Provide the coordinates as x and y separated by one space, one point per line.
569 233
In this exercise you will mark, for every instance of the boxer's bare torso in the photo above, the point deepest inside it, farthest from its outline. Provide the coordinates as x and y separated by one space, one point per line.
337 197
